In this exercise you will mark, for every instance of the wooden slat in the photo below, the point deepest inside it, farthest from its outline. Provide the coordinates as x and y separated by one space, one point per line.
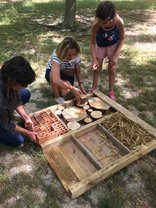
88 153
61 168
76 168
87 183
115 141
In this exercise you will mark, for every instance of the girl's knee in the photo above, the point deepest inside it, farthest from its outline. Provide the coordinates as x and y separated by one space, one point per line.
25 95
19 139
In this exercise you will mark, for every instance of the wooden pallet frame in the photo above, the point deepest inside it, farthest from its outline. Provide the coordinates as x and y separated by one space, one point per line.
87 182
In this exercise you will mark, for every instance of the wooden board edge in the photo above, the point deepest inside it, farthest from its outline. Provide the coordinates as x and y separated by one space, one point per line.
80 131
87 183
126 112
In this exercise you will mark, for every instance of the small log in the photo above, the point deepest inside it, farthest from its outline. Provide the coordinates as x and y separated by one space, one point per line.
73 113
87 120
86 107
90 110
98 104
60 107
58 113
96 114
73 125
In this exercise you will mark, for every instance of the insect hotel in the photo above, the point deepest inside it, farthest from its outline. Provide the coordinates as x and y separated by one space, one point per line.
88 142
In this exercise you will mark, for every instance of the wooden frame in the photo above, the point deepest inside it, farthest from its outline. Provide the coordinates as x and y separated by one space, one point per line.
77 166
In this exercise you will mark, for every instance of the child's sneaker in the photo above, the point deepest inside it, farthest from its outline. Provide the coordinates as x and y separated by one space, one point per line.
112 95
60 100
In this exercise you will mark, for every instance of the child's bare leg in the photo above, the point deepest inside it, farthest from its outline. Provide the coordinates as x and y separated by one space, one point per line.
96 74
64 92
56 90
111 74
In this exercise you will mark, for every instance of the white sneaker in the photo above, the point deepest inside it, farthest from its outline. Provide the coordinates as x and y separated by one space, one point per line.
60 100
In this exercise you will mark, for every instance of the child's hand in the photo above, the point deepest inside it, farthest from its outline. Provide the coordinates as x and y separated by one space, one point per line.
78 94
29 124
32 136
82 88
95 65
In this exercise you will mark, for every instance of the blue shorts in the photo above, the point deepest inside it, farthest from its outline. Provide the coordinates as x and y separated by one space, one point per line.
63 77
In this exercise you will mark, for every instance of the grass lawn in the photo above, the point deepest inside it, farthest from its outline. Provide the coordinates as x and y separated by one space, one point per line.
32 29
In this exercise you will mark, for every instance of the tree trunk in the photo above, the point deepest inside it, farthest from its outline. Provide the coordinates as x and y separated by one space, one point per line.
70 10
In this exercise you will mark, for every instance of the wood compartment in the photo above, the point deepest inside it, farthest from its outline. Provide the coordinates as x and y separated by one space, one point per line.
47 125
129 133
100 146
69 161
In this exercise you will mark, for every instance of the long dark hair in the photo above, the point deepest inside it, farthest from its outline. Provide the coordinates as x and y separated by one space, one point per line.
105 10
17 70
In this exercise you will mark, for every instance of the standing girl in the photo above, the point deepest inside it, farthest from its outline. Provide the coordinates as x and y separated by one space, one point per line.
62 68
107 37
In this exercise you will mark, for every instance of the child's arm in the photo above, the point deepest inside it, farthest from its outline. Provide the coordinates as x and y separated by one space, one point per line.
79 78
30 134
56 80
21 111
120 25
94 28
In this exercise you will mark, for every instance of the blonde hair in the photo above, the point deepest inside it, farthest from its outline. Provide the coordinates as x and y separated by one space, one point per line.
66 44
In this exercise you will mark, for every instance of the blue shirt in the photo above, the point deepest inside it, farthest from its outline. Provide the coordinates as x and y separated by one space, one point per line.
107 37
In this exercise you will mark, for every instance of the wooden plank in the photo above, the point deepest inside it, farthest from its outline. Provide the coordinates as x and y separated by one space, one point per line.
56 141
127 113
88 153
76 168
61 168
79 157
101 147
68 135
115 141
87 183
